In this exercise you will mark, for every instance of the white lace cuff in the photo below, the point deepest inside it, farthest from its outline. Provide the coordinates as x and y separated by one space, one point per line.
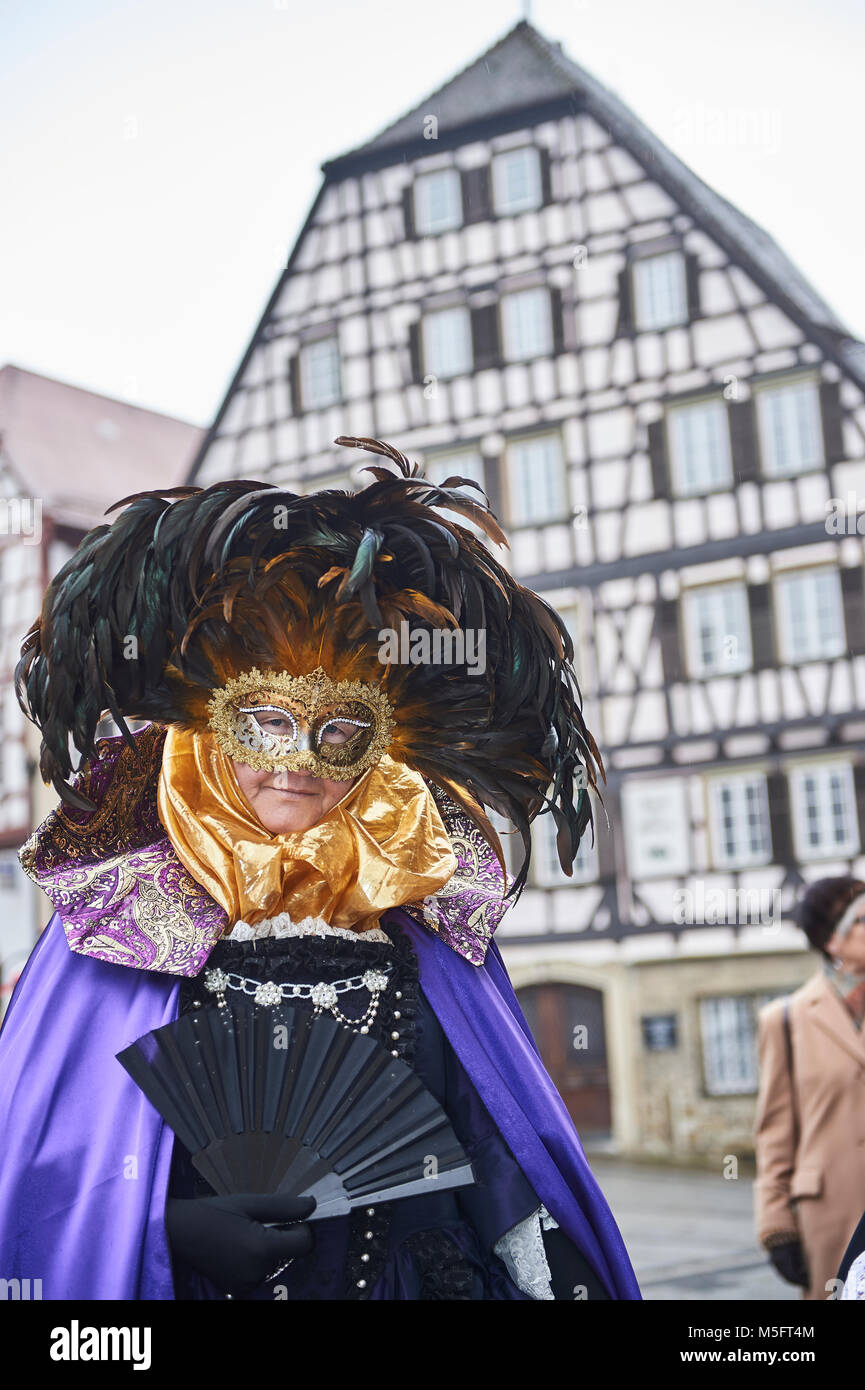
521 1249
854 1286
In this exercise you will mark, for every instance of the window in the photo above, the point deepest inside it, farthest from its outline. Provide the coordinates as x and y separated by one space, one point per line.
791 437
527 324
657 832
660 291
570 615
728 1029
343 482
699 439
548 872
510 840
824 810
536 474
739 814
458 463
447 339
810 615
517 180
717 630
438 205
320 384
463 463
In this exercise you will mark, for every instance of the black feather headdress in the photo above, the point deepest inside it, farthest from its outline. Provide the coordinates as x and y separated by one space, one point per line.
190 587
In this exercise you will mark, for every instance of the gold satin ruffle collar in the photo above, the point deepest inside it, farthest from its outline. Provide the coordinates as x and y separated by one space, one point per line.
383 845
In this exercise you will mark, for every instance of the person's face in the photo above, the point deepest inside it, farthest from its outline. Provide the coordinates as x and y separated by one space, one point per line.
285 800
850 949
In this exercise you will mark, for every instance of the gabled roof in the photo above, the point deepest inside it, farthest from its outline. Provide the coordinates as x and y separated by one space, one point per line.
79 452
515 73
525 71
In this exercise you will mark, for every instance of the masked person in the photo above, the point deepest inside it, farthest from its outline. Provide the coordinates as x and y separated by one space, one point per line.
298 819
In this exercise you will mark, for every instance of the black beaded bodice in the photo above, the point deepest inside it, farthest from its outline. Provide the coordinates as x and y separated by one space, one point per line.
310 960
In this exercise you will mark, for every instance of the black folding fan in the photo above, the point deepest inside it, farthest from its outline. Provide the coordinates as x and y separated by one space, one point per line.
293 1102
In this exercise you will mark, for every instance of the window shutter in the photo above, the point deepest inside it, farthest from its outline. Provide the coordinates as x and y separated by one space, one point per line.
667 628
658 458
569 319
779 818
485 336
859 787
476 194
494 485
558 320
625 324
546 177
692 285
408 212
516 854
830 410
762 635
606 844
294 384
853 594
415 352
743 441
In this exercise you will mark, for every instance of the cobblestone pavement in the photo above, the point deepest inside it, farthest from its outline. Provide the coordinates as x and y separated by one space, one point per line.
690 1235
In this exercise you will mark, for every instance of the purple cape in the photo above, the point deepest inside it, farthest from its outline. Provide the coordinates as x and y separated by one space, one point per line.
86 1158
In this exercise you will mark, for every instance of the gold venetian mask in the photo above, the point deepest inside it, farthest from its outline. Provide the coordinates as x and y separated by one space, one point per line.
271 720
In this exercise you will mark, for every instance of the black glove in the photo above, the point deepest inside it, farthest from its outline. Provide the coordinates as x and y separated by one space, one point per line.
224 1238
789 1260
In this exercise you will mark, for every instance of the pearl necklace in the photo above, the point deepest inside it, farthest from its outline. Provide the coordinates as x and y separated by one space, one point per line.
324 995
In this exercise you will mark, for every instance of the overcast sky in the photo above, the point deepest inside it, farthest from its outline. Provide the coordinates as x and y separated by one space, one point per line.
160 155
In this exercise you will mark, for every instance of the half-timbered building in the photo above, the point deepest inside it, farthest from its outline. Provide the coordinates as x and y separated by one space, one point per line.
518 282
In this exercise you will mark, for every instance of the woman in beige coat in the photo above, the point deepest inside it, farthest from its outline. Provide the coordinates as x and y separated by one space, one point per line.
810 1128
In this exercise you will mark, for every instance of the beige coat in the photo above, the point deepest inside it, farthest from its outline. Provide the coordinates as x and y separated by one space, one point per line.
815 1189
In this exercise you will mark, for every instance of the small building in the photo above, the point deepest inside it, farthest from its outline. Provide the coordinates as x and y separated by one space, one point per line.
65 455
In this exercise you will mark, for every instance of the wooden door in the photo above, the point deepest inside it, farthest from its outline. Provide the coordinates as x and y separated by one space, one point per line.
567 1022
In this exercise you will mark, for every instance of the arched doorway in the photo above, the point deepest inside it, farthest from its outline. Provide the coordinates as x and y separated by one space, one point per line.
567 1022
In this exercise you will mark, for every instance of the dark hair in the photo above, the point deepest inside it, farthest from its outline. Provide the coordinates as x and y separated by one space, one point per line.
822 906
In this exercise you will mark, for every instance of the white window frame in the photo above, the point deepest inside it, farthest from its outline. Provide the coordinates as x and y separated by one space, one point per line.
426 223
796 593
716 603
786 448
817 815
736 1014
314 394
547 872
660 291
532 197
742 789
529 504
527 324
688 459
461 361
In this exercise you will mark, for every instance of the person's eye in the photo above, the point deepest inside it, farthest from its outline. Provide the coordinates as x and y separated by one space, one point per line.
337 732
275 723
